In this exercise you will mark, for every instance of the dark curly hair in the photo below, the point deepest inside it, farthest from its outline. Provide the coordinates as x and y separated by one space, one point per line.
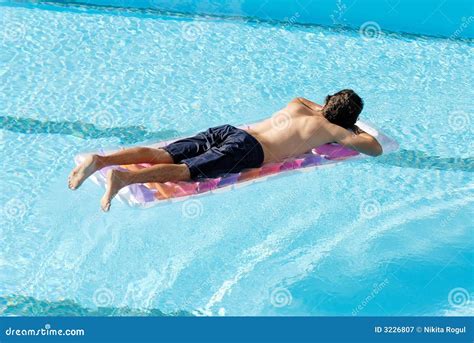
343 108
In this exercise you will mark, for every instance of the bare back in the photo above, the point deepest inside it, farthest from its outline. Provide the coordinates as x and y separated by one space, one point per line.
292 131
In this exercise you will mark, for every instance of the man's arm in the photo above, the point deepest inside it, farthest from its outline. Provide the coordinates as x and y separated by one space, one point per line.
360 141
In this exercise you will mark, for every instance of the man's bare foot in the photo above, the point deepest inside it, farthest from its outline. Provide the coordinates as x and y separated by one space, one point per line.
79 174
116 180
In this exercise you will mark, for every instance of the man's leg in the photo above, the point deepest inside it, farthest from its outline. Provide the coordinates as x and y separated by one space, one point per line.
116 179
92 163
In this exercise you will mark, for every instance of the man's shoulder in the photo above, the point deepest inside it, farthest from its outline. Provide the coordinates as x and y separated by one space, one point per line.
299 100
307 103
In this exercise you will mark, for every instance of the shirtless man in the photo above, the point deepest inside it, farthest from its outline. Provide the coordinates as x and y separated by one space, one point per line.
296 129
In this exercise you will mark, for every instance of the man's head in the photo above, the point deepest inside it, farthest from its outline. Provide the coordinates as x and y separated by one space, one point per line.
343 108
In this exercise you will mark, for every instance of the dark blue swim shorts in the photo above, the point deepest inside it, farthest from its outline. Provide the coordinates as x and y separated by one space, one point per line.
217 152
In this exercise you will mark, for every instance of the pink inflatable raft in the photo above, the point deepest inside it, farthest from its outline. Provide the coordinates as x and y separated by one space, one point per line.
151 194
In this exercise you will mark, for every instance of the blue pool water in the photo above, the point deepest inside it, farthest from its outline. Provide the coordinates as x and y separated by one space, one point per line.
385 236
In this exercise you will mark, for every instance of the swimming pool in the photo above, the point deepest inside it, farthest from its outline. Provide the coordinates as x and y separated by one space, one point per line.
385 236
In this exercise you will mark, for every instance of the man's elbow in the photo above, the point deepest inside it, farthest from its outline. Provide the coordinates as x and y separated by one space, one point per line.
377 150
373 148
